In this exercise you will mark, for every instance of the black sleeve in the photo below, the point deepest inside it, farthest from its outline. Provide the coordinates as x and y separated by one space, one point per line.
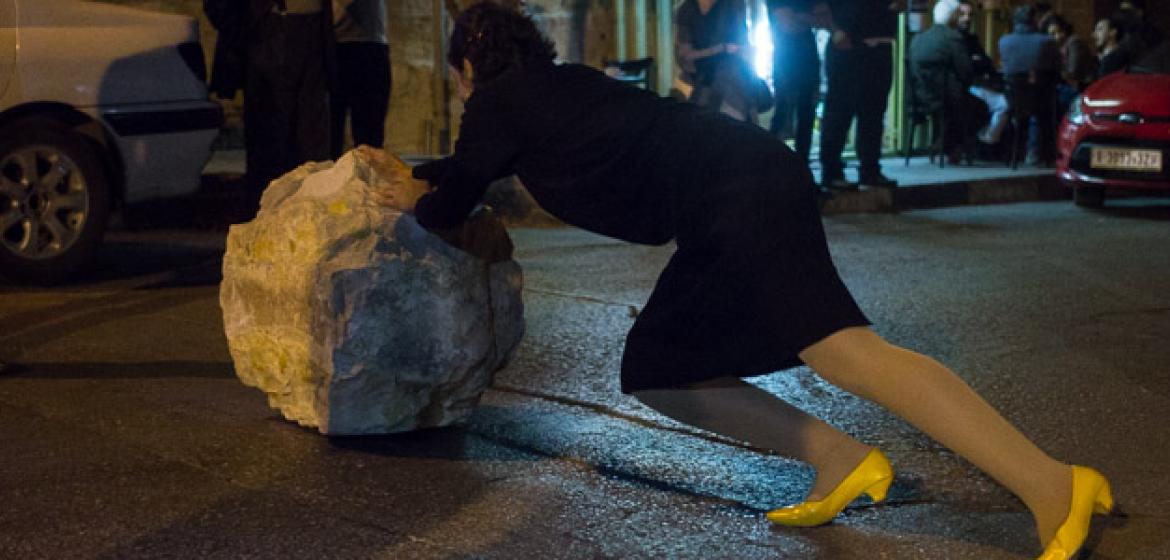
484 152
961 62
432 171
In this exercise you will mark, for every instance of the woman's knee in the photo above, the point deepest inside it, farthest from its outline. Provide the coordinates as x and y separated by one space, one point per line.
848 358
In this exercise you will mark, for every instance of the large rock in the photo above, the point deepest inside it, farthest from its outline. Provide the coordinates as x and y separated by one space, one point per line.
352 318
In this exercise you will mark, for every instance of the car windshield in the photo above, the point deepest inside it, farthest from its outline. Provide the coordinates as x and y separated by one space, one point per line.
1156 61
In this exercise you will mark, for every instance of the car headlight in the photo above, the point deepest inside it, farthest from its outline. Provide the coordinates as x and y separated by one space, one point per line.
1076 113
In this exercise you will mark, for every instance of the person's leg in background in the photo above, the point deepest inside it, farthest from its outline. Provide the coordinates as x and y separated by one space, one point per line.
341 99
806 114
312 113
874 89
270 101
370 102
782 110
782 114
840 107
1046 123
997 105
1042 126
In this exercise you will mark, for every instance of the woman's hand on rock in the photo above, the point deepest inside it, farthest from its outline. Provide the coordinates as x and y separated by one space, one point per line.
395 188
401 193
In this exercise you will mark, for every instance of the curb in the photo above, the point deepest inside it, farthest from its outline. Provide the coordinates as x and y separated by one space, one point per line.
943 195
512 202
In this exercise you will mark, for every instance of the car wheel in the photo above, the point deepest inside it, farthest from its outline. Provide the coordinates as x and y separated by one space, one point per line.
54 201
1089 197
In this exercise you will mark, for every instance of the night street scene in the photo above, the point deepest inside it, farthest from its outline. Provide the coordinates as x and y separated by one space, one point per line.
511 279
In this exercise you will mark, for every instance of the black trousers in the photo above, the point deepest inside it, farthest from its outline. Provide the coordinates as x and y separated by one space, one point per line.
362 92
796 73
286 97
859 87
796 110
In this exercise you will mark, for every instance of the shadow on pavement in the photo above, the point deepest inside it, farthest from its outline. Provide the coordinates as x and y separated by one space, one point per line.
183 265
114 370
453 443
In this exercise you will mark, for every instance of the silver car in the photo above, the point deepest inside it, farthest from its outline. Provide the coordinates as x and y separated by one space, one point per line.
100 105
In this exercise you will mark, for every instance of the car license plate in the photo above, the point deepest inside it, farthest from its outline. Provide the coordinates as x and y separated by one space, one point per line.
1126 159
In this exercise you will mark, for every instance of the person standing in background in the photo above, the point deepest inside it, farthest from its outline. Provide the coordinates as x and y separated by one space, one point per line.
280 53
1031 69
364 78
1077 63
859 65
796 68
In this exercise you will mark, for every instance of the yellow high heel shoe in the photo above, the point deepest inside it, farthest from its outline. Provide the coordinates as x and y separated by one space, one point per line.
873 476
1090 494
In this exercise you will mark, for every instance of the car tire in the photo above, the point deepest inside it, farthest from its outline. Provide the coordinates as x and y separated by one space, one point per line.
54 201
1089 197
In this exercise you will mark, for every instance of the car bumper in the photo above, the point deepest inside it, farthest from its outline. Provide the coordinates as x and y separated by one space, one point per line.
163 147
1079 171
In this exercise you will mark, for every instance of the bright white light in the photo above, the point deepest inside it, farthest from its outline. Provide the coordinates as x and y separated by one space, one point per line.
760 37
1102 102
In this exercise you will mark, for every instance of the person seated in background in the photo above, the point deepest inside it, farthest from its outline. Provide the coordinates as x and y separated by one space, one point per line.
711 45
1078 66
942 73
1138 35
1031 69
988 83
1108 35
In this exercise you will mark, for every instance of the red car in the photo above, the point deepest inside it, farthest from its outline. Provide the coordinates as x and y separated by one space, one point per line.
1116 135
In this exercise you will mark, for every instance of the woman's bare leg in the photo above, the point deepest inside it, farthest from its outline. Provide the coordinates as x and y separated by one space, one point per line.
936 401
736 409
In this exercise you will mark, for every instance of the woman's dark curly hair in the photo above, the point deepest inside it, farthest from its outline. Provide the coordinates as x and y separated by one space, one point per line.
496 39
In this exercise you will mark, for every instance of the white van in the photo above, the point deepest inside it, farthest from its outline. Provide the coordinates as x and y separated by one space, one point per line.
100 105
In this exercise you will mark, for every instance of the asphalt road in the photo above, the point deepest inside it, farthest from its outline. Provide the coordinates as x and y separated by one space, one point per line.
124 433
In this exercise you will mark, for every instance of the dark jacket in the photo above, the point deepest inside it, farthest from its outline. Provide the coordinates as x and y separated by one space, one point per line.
236 23
1117 59
1080 66
940 63
981 62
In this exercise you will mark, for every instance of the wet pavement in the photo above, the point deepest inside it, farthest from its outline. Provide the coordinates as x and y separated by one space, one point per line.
126 435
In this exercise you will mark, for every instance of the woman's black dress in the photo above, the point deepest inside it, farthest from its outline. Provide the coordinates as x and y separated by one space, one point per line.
751 284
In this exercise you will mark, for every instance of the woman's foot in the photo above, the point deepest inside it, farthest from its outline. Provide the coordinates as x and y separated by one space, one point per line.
872 476
1090 494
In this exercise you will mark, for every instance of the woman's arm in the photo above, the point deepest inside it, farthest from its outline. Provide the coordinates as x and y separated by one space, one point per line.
689 54
485 151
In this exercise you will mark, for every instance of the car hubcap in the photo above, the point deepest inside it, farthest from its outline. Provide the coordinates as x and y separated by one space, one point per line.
44 202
